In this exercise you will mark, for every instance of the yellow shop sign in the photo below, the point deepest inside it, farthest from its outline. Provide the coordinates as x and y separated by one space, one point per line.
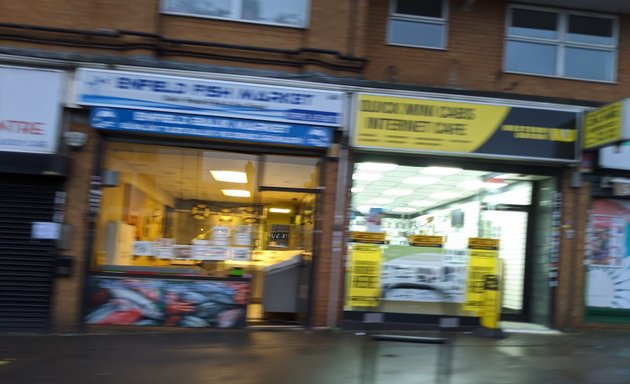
420 125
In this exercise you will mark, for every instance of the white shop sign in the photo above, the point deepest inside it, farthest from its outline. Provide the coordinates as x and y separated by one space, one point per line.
134 90
30 109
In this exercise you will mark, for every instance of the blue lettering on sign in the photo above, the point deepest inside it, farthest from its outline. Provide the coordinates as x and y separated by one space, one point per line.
211 127
277 97
211 91
160 86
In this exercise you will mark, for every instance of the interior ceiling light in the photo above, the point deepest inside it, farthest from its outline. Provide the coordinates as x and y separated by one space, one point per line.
230 176
398 192
279 210
357 189
422 203
236 192
441 171
445 195
366 176
380 200
376 166
419 180
404 210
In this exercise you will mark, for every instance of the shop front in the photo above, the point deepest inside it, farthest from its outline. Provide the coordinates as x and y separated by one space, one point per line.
205 209
432 180
607 240
32 198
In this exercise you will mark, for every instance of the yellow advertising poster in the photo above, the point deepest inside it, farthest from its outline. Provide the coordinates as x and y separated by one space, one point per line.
365 275
410 124
603 126
482 262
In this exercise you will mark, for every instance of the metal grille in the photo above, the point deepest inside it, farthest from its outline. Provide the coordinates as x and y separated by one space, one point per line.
26 265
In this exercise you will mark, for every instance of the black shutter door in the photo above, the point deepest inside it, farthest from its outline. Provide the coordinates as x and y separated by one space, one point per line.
26 264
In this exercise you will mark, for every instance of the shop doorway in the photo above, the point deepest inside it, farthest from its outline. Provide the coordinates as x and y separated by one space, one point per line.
281 280
455 205
508 224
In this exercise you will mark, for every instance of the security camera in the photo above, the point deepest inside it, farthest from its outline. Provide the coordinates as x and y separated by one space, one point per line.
75 140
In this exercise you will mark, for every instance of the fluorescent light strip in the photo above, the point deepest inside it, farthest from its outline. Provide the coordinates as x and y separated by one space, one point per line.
236 192
419 180
230 176
441 171
279 210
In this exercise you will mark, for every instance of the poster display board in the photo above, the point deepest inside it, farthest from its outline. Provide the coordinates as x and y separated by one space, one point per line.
608 255
365 275
482 262
607 125
427 263
167 302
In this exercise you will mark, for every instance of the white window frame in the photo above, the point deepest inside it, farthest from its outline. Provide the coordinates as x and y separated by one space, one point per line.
562 43
236 11
443 21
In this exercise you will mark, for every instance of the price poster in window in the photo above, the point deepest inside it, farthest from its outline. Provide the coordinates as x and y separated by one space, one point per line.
365 275
482 262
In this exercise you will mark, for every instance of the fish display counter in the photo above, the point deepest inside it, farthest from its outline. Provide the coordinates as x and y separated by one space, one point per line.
181 300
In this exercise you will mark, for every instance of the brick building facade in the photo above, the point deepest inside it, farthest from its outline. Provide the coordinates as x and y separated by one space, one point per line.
337 45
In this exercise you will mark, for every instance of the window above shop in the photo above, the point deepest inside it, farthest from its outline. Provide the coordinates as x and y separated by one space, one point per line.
558 43
420 24
291 13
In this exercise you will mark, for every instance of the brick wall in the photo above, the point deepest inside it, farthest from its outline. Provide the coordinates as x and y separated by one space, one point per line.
323 264
474 57
67 290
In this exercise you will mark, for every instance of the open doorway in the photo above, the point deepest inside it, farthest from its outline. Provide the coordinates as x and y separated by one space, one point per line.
454 204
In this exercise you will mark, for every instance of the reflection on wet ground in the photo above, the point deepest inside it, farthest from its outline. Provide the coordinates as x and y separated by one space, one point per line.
312 357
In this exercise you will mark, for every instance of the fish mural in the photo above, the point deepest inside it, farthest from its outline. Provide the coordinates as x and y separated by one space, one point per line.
167 302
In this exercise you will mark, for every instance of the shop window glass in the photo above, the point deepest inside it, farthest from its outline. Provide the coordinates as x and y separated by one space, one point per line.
531 57
290 172
418 24
161 204
561 44
411 226
530 23
591 30
277 12
589 64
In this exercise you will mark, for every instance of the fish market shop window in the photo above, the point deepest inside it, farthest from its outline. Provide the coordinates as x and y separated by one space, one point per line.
567 44
420 24
291 13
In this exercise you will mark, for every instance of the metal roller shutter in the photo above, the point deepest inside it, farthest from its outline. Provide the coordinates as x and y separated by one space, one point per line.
26 265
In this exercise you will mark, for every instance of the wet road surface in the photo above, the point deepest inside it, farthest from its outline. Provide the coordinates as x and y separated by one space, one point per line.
312 357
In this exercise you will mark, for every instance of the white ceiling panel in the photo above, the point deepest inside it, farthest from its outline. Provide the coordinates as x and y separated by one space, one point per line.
393 180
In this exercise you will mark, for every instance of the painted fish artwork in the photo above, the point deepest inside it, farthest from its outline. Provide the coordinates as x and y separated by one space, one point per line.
167 302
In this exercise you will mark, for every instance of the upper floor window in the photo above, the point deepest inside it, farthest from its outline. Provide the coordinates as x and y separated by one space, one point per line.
416 23
291 13
561 43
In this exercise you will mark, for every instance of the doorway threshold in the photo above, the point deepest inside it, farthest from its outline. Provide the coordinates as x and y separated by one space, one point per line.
518 327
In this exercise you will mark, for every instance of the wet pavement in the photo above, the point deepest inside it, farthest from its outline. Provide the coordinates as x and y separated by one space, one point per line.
312 357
